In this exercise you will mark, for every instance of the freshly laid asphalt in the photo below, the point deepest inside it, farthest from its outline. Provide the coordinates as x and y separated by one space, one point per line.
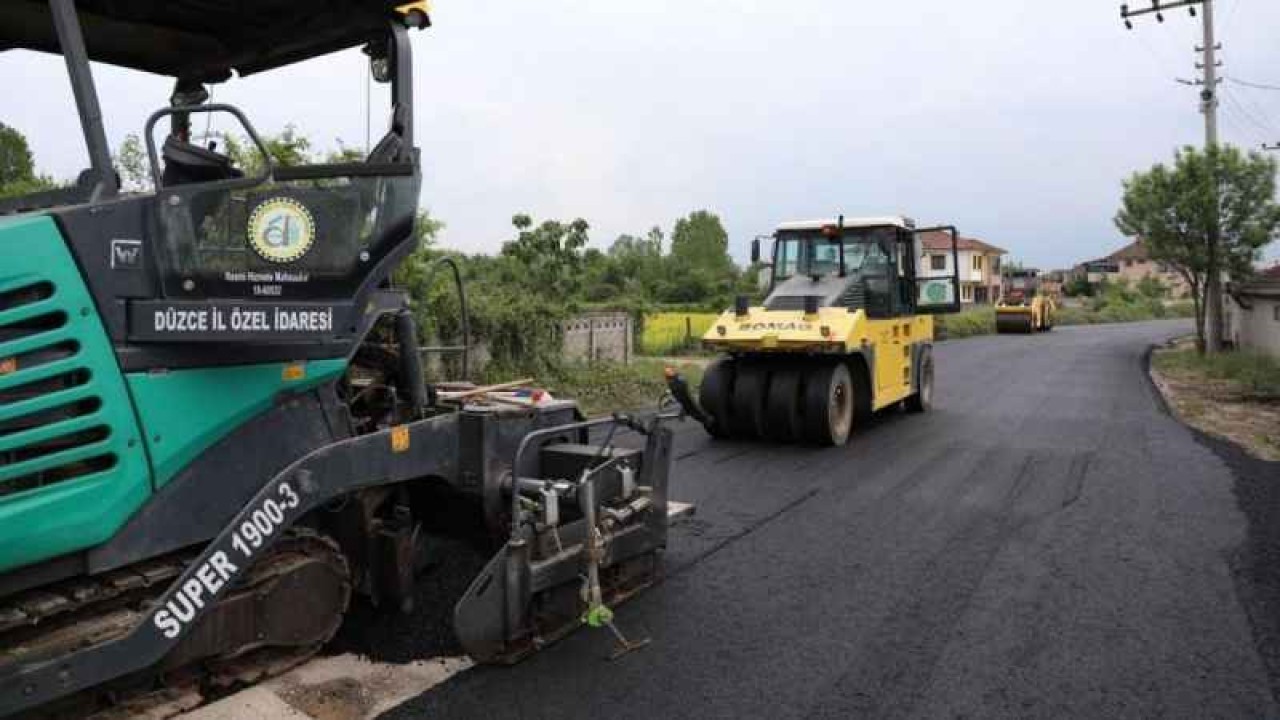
1047 542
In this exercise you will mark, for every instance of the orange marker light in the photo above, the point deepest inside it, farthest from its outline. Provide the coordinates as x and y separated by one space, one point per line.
400 439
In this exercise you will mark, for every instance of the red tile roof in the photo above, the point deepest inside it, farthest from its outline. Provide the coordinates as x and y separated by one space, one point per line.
942 241
1271 273
1136 250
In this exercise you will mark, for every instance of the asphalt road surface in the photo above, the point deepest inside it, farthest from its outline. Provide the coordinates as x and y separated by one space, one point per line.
1045 543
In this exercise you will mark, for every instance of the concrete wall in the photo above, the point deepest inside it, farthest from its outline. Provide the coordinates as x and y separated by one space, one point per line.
599 336
1258 328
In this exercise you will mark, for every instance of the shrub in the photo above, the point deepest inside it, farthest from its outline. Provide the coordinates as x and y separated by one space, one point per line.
967 323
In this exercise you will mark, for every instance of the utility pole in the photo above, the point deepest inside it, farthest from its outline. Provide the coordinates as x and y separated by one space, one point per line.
1208 106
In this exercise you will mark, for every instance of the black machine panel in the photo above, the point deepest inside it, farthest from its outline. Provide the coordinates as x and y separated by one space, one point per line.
272 271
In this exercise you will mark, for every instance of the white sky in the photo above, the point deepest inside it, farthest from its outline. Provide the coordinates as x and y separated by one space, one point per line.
1015 120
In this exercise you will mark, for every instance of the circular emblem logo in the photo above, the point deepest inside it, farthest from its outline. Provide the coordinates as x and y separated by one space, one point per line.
936 292
281 230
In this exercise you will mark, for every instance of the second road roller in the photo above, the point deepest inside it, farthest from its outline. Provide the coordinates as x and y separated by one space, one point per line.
1023 308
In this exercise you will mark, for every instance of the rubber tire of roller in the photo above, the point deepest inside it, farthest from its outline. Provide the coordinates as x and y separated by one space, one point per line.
747 419
714 394
783 421
922 400
828 404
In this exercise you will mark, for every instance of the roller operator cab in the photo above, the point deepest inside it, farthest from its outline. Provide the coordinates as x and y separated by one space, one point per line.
846 329
213 409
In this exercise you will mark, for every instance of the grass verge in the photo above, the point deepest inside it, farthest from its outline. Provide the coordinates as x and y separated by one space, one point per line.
982 320
966 323
1233 395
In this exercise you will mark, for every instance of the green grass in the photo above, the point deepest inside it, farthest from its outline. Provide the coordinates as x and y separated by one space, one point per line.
605 387
966 323
982 320
1257 376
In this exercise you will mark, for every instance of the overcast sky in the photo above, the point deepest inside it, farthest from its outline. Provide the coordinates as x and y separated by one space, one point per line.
1014 120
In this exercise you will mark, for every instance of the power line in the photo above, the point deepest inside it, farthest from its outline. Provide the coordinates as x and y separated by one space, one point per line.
1209 84
1252 104
1239 126
1247 114
1232 13
1254 85
1208 106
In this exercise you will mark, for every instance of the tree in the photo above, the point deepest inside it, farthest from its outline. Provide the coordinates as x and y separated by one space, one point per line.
699 242
634 266
1173 211
550 255
699 269
17 166
1078 286
132 164
288 149
1151 287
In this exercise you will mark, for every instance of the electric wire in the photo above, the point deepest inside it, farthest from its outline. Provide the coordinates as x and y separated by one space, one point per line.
1235 117
1252 104
1230 15
1254 85
1260 123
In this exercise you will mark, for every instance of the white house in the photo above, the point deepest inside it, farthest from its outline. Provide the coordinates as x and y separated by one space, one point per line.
980 280
1254 314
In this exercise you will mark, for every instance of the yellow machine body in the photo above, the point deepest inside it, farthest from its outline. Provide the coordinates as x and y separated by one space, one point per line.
846 329
885 345
1035 315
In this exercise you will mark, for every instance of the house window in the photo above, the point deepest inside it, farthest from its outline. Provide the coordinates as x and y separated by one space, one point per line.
977 263
995 265
937 262
1128 262
966 293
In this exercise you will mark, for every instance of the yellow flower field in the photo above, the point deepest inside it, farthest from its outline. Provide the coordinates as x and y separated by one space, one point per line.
672 331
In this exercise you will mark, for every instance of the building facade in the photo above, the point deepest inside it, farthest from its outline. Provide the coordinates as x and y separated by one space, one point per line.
980 265
1132 264
1253 313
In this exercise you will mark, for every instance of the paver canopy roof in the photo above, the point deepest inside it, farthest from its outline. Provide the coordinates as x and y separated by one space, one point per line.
202 40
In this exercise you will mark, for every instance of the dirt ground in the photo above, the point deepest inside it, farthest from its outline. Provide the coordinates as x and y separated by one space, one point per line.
1216 407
